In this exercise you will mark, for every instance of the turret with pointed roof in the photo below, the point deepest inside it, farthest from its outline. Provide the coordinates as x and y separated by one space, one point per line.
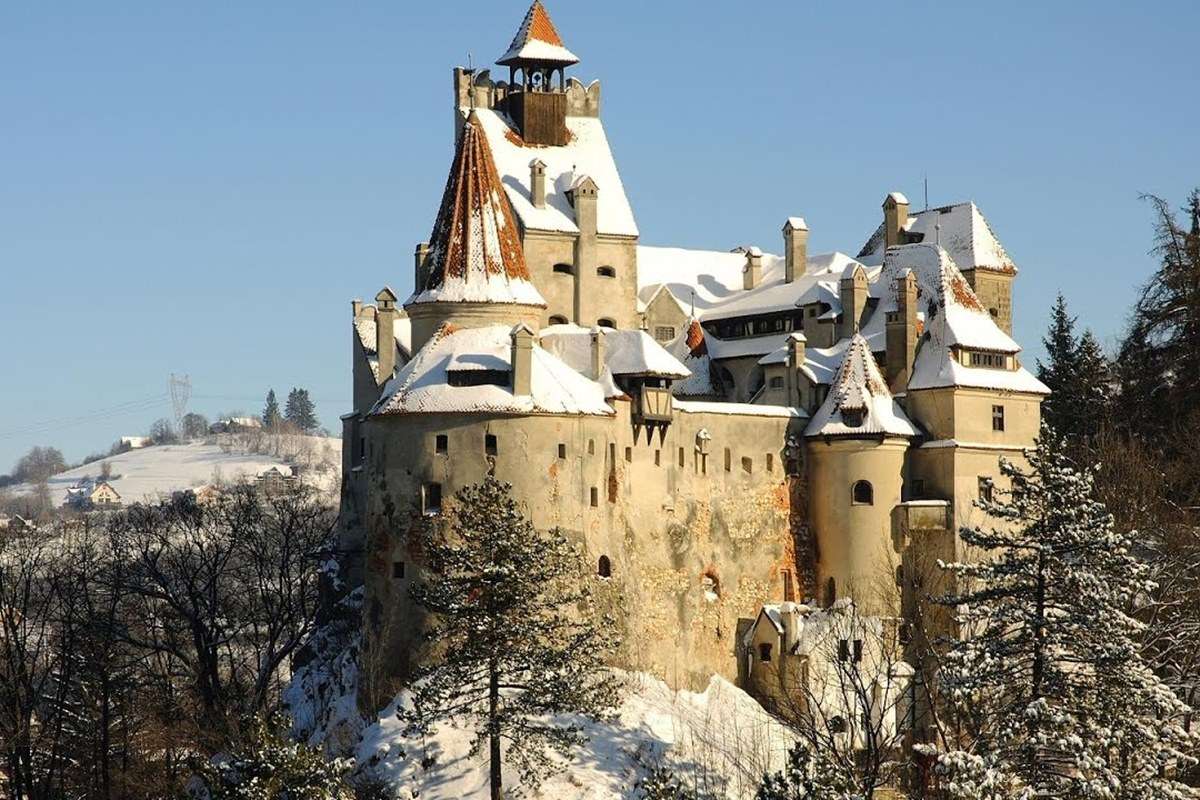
537 43
475 256
859 402
537 62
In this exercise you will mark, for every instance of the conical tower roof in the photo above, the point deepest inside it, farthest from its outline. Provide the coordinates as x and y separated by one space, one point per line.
537 41
859 402
475 253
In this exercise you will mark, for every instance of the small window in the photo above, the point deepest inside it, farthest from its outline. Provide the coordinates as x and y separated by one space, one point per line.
604 567
747 465
591 447
863 494
605 322
431 498
442 443
562 450
489 444
830 591
853 417
918 488
664 333
558 319
606 272
658 458
777 382
985 489
858 650
564 269
843 650
682 457
812 312
770 462
764 652
789 592
728 460
629 454
595 497
397 569
994 312
997 418
612 452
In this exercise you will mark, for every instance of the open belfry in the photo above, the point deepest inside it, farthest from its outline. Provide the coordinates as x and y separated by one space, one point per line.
717 430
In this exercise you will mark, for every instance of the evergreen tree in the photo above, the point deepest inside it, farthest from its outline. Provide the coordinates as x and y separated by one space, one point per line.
808 777
1093 386
270 415
513 636
1049 679
1060 372
300 411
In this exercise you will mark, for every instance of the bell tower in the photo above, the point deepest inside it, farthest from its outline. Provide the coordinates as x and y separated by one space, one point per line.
537 98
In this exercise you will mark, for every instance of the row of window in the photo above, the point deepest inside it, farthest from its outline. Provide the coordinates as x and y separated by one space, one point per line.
603 322
569 269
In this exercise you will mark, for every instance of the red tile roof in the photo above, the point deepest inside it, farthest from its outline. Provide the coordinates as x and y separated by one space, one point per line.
537 27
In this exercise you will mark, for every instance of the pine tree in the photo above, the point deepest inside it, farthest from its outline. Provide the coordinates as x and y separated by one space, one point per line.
514 639
1049 679
808 777
1093 386
1060 372
300 411
270 415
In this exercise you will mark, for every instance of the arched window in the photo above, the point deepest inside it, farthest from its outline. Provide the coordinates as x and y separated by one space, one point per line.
605 322
558 319
606 272
604 568
863 494
564 269
830 591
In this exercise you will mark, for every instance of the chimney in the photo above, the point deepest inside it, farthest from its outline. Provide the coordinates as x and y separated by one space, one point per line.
420 273
902 332
853 290
895 215
596 368
795 360
584 193
356 307
537 183
521 361
752 272
795 248
385 333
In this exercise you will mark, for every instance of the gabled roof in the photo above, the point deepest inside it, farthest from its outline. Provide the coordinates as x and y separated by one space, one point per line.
423 385
537 40
965 234
475 250
859 387
626 352
587 153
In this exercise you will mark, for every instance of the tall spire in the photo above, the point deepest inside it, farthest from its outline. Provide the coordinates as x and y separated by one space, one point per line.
537 42
475 250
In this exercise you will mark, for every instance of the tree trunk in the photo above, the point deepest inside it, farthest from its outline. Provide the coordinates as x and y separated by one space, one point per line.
494 729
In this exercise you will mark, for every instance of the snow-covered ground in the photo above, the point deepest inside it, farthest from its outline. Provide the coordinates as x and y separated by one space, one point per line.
719 740
152 472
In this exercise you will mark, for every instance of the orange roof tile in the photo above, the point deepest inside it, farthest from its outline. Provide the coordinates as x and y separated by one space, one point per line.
537 40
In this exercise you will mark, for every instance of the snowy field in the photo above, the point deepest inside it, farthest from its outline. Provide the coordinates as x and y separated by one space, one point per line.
153 472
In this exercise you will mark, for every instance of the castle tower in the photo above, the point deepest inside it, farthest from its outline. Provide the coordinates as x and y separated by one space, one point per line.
537 62
856 445
475 267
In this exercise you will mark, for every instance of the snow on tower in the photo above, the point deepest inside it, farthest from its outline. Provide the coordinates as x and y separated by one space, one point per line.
859 402
537 43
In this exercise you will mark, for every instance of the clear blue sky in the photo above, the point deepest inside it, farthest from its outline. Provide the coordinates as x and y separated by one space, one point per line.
203 187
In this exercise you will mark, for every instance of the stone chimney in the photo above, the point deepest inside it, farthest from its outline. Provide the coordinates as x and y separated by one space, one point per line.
584 194
902 333
385 333
796 345
853 290
596 368
521 359
795 248
420 273
356 308
752 272
895 215
537 183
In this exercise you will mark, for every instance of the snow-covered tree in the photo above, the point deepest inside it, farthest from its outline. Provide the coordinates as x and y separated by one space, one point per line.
1048 680
516 650
808 776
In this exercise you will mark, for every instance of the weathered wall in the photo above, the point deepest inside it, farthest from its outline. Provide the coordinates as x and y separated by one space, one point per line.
613 298
693 547
994 290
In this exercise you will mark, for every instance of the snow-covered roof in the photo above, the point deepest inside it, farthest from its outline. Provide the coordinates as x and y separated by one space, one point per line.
586 153
820 363
423 385
690 347
626 352
742 409
965 234
859 390
537 40
365 327
475 252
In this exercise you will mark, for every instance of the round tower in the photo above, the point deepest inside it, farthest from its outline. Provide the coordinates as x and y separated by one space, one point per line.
475 272
856 445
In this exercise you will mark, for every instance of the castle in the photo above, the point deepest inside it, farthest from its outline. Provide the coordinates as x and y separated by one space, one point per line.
717 430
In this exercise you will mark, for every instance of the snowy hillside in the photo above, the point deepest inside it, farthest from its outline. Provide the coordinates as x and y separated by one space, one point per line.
152 472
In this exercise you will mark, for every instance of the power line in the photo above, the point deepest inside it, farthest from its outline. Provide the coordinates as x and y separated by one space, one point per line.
140 405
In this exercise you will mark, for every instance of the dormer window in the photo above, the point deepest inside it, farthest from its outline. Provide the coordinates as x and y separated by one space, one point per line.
853 417
477 377
976 358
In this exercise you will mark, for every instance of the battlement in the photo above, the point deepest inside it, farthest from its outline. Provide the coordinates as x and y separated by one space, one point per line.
474 88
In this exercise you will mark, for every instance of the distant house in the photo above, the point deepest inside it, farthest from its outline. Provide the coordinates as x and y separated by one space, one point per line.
274 480
235 425
135 442
92 494
207 494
